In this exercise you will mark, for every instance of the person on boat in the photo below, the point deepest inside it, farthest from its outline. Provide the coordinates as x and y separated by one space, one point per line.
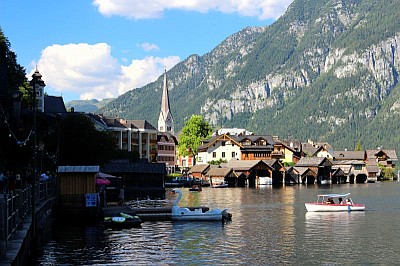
348 201
340 201
330 201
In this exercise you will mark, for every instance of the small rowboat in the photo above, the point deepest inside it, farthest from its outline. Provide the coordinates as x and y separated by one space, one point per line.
334 203
122 221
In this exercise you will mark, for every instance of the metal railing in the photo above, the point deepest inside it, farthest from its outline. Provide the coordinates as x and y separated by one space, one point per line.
17 205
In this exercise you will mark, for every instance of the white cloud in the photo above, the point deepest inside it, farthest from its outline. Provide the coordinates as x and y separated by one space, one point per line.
148 46
262 9
144 71
91 72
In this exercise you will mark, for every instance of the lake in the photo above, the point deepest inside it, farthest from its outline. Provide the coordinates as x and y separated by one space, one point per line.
270 226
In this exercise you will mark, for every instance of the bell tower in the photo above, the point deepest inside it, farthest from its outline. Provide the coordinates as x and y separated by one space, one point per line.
165 120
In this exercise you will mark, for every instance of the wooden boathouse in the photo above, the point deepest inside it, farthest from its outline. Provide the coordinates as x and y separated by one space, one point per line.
77 191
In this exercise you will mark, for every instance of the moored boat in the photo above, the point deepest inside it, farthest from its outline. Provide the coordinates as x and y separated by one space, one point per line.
186 214
334 203
220 185
122 221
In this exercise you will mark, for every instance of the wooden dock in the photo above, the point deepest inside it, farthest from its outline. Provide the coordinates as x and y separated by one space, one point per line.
145 214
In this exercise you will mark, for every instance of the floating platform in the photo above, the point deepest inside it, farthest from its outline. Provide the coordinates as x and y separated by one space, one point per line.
149 213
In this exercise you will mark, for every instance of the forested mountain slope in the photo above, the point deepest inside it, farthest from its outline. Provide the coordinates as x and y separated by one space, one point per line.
325 70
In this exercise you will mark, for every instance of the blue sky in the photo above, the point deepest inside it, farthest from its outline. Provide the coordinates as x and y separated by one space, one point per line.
96 49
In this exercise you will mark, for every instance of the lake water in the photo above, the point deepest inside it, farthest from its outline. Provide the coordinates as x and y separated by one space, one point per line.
270 226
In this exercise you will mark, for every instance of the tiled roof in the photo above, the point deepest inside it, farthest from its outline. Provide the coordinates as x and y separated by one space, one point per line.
199 168
215 171
349 155
348 162
303 170
310 161
242 165
391 153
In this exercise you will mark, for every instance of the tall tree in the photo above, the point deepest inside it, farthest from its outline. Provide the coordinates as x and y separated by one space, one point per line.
358 146
82 144
194 131
12 74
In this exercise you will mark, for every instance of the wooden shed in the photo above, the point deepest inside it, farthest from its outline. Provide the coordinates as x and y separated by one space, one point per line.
142 179
217 175
77 190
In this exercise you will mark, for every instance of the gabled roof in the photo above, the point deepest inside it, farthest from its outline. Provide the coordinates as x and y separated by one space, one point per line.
254 138
167 136
214 139
309 149
54 105
372 168
303 170
391 153
199 168
242 165
349 155
217 171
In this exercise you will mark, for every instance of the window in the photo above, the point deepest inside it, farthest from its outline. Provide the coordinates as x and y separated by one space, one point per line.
223 143
214 155
358 167
223 154
233 154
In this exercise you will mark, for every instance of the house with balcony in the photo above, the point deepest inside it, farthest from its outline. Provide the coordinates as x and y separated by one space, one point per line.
317 149
130 135
384 157
221 147
166 150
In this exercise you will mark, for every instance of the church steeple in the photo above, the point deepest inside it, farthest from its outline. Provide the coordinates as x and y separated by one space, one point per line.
165 120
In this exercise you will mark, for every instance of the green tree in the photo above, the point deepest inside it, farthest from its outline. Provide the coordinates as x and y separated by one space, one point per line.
194 131
82 144
358 146
387 173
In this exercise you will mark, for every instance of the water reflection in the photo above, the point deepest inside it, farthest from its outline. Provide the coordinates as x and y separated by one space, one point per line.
270 226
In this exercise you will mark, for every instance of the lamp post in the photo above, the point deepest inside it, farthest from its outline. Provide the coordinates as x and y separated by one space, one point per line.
36 83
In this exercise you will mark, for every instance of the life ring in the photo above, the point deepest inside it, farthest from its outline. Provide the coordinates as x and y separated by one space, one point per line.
118 219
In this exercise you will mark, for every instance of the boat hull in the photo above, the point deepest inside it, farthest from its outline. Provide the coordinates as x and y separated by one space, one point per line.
185 214
321 207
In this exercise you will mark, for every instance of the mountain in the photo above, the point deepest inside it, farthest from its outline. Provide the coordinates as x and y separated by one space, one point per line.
87 106
326 70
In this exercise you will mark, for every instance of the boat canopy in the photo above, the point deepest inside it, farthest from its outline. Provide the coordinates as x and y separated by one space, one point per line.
334 195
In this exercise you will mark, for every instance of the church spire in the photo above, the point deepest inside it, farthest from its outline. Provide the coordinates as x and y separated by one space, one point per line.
165 120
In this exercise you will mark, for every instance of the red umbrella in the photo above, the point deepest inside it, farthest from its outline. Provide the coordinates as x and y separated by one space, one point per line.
102 181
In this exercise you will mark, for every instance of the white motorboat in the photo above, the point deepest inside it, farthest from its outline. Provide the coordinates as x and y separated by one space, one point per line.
220 185
185 214
334 203
265 180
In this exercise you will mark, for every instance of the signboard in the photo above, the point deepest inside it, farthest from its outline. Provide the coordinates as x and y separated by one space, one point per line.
91 199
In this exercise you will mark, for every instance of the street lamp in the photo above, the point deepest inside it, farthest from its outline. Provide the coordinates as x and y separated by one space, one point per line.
36 83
